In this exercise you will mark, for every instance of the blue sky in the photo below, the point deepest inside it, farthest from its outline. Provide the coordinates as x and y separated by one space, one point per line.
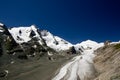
73 20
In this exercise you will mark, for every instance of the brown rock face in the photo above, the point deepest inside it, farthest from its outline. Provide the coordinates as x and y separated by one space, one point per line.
107 62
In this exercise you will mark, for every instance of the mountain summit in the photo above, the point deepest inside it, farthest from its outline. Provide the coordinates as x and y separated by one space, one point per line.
25 34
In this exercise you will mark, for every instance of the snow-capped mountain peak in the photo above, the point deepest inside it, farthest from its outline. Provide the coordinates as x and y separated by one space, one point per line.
25 34
88 44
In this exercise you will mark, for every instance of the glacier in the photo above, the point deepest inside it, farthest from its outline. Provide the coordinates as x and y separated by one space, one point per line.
80 67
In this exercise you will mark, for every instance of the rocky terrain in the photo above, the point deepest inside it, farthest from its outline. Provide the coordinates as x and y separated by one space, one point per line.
107 62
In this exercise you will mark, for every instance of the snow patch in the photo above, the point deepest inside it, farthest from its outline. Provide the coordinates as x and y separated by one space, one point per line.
1 24
6 72
1 27
115 42
49 54
1 30
22 33
12 62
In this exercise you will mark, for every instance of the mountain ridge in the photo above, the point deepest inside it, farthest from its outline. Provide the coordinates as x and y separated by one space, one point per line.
52 41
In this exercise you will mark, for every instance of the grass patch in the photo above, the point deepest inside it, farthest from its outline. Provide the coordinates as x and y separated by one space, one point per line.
116 77
117 46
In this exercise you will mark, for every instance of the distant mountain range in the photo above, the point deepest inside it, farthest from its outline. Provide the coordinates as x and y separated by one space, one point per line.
25 34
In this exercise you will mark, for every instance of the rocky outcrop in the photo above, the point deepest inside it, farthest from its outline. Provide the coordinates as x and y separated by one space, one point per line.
6 39
107 62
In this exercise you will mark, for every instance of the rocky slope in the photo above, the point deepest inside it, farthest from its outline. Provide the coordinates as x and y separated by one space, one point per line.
107 62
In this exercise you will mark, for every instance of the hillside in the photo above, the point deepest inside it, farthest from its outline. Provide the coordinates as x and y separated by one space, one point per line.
107 62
